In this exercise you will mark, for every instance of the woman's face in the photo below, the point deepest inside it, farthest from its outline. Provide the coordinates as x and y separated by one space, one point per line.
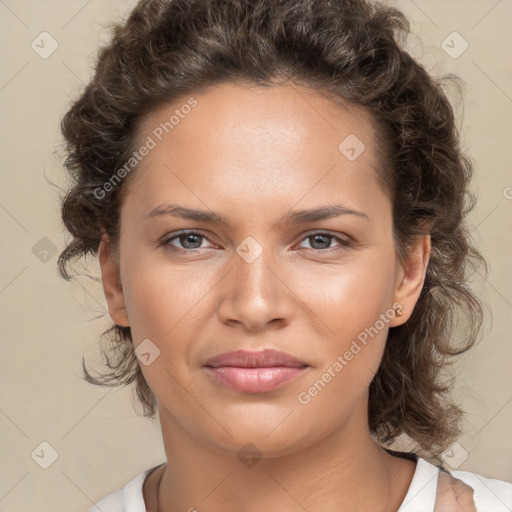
255 157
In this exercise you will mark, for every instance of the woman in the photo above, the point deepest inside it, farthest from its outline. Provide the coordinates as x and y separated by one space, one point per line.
278 201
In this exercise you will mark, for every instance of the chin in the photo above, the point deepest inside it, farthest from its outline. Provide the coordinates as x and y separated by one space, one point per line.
258 439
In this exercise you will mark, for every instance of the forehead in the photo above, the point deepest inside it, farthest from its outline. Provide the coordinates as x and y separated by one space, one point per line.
227 112
275 142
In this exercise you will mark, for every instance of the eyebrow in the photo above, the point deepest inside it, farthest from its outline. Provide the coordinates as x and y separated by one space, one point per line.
296 217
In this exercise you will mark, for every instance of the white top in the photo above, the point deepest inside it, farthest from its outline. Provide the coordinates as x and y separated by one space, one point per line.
490 495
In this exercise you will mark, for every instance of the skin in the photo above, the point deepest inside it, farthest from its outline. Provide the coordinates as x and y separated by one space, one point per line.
254 154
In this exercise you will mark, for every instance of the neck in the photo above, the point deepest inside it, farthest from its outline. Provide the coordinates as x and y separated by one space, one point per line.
346 471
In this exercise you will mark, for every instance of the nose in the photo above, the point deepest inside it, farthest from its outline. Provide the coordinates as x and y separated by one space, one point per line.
255 293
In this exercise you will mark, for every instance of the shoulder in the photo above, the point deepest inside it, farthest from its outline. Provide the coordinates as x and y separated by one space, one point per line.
489 494
128 499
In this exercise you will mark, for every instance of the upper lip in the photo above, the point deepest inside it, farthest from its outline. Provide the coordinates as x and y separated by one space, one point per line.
251 359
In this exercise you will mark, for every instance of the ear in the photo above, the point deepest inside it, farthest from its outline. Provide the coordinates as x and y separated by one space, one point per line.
410 279
112 287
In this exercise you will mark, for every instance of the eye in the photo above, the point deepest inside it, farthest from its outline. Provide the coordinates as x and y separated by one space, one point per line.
322 241
189 240
192 240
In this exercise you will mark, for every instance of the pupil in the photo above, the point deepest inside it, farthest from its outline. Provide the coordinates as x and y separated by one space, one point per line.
188 237
324 237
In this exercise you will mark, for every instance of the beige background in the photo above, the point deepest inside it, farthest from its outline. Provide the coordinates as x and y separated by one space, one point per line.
47 324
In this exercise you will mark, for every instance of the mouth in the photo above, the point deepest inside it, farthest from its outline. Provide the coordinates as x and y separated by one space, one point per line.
254 372
250 359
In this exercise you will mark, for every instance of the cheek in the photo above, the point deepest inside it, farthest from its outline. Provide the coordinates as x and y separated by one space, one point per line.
160 303
349 364
354 306
167 304
351 296
160 294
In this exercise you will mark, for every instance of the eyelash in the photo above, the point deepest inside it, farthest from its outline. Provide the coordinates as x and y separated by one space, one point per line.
166 242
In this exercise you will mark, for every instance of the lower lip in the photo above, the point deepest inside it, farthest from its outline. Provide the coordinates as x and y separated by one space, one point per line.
255 380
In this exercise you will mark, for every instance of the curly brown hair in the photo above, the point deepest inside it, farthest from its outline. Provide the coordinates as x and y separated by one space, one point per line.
352 51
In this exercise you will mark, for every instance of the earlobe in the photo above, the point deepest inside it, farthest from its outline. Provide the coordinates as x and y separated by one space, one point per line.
411 278
112 287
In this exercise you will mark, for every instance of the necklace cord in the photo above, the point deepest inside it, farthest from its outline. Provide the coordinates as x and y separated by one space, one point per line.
159 491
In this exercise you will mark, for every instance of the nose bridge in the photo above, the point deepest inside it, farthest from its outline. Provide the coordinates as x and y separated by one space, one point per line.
253 266
254 294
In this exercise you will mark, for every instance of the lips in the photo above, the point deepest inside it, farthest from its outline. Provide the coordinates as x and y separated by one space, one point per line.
248 359
254 372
